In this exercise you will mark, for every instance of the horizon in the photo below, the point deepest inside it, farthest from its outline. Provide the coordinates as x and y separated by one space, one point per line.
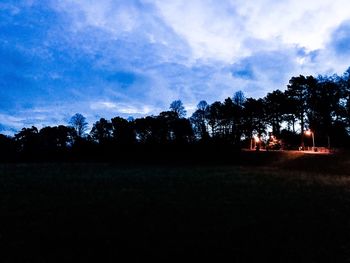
133 58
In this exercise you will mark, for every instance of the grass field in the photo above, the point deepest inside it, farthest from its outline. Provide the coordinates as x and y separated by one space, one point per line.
294 208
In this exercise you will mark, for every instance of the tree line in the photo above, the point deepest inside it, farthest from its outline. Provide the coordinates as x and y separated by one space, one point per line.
320 104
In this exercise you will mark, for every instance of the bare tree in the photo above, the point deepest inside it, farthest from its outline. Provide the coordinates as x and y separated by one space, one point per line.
78 122
178 107
239 98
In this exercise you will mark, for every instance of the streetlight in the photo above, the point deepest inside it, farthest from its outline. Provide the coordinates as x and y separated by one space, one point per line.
256 143
308 133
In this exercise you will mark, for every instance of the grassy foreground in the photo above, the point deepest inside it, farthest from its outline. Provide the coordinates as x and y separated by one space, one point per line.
296 208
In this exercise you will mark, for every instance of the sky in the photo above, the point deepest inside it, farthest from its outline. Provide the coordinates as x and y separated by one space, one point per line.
126 58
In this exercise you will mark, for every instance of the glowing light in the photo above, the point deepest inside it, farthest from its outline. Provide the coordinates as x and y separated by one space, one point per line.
256 138
308 132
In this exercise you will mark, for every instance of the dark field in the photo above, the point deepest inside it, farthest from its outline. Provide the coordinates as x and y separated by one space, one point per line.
293 208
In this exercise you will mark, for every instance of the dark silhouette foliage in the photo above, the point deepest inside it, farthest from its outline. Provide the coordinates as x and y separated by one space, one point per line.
123 131
321 104
78 122
178 107
199 121
101 132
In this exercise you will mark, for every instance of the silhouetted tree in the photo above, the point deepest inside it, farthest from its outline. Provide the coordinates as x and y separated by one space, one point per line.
123 131
254 118
297 90
238 98
182 129
199 121
78 122
101 131
290 115
324 107
228 119
202 105
214 118
150 130
56 138
275 107
27 140
238 101
178 107
322 104
166 124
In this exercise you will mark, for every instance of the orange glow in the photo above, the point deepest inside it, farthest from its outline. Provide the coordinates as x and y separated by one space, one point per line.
256 138
308 132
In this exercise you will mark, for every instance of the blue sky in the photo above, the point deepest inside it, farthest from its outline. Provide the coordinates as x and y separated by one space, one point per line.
125 58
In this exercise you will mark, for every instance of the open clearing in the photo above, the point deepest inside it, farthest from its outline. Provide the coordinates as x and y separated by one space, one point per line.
293 208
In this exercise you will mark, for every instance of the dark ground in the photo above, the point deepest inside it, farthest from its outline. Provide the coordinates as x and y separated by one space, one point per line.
291 207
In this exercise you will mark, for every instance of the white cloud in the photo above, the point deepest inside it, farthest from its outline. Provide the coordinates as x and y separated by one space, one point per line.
103 105
121 108
11 121
218 29
115 17
226 31
210 27
304 23
177 49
